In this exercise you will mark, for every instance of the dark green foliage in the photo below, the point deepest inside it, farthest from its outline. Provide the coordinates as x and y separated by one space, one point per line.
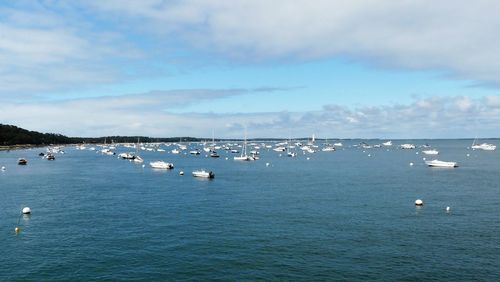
13 135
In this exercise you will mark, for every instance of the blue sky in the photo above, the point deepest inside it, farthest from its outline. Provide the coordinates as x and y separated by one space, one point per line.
346 69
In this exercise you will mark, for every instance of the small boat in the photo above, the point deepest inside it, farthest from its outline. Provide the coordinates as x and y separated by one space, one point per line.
126 156
41 154
50 157
161 165
484 146
438 163
138 159
22 161
203 174
407 146
214 154
328 149
194 152
431 152
338 144
388 143
175 151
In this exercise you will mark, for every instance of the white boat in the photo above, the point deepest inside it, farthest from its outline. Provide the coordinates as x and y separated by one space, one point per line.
279 149
175 151
244 156
126 156
431 152
328 149
203 173
484 146
194 152
138 159
438 163
407 146
388 143
338 144
161 165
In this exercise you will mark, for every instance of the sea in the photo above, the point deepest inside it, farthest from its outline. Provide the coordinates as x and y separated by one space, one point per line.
347 215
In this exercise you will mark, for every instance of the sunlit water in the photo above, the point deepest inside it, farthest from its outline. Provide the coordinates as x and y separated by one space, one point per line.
339 215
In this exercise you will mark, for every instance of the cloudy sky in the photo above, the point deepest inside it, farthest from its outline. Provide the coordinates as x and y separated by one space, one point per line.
371 69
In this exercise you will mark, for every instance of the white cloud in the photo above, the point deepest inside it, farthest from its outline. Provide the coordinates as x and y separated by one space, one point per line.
455 36
148 114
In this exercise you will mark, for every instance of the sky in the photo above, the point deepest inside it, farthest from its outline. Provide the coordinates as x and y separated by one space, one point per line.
336 69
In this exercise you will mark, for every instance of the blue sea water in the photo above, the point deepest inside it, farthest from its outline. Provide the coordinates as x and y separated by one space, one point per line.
343 215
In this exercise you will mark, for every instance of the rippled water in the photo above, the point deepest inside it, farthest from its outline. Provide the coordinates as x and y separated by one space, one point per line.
341 215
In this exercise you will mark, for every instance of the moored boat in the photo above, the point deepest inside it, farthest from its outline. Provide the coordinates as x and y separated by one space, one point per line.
161 165
203 173
431 152
484 146
438 163
22 161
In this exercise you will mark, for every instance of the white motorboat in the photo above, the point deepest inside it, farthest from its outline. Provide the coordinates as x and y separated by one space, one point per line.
161 165
175 151
138 159
484 146
126 156
194 152
328 149
388 143
438 163
203 173
407 146
338 144
431 152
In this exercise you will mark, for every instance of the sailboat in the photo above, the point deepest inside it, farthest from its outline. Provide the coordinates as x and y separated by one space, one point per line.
137 158
483 146
244 156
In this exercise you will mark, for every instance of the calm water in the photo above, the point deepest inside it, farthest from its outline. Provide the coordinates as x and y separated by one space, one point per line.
337 216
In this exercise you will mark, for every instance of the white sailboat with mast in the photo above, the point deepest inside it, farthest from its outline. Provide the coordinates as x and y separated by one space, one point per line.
244 156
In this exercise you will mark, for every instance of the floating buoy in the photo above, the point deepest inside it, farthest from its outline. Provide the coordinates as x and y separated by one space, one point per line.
26 210
416 153
17 229
227 158
448 209
308 158
423 159
143 165
181 173
3 167
411 164
369 155
468 155
419 202
267 164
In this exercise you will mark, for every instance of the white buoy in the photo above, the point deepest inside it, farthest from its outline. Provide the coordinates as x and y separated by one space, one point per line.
26 210
411 164
3 167
448 209
308 158
416 153
181 172
227 158
143 165
267 164
419 202
468 155
423 159
369 155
